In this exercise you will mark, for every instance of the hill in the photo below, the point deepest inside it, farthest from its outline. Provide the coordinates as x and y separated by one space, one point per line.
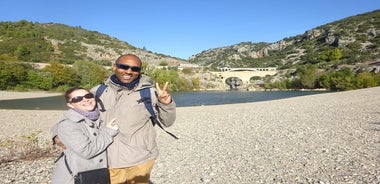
45 42
350 41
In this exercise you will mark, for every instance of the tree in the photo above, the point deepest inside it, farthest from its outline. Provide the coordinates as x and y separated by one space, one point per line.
196 83
307 75
90 73
146 69
331 55
13 74
22 53
62 75
365 79
187 71
162 76
40 80
323 81
342 80
5 76
163 63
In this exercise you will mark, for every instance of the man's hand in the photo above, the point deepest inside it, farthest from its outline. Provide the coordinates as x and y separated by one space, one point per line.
112 124
163 95
58 142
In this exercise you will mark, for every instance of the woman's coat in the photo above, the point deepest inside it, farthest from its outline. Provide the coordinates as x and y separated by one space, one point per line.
86 143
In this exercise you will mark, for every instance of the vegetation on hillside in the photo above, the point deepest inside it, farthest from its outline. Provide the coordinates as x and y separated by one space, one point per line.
35 42
311 77
22 76
348 41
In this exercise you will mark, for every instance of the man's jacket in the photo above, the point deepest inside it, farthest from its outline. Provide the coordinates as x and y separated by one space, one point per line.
136 141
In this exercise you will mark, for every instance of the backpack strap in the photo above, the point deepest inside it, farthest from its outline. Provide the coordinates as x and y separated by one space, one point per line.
98 93
146 98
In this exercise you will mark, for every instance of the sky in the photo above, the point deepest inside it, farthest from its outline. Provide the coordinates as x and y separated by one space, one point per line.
182 28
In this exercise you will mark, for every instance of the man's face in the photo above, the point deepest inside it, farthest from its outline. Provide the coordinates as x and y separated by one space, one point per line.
127 69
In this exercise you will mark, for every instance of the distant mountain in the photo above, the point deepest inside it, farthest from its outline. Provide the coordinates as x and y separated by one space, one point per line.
348 41
44 42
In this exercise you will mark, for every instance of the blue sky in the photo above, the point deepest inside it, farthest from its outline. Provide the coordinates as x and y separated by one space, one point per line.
182 28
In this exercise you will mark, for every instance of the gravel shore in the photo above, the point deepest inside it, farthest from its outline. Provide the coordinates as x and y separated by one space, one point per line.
323 138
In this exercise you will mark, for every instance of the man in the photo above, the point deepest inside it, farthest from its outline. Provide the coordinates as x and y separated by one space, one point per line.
132 154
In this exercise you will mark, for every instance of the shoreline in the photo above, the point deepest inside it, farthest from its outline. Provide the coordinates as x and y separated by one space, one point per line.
10 95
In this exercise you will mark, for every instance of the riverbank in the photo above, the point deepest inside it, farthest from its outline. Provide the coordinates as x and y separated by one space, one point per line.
8 95
324 138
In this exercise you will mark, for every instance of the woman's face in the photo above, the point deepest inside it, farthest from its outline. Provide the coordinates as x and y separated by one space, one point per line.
82 99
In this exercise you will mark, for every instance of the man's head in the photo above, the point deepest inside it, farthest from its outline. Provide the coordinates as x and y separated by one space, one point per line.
127 68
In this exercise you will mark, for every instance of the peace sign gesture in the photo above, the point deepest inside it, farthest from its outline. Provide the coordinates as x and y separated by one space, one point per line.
163 95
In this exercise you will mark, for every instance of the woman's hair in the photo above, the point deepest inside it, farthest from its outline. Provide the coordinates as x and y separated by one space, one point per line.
69 91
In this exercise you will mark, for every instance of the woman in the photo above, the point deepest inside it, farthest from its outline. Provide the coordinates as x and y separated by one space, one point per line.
84 138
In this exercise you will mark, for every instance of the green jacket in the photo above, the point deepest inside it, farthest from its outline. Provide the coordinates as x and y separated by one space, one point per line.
136 141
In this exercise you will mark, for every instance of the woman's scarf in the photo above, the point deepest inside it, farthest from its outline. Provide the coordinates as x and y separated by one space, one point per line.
130 85
92 115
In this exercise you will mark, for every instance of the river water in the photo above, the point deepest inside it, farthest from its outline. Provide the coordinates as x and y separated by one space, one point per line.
182 99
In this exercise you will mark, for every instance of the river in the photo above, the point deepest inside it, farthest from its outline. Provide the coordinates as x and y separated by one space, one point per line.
182 99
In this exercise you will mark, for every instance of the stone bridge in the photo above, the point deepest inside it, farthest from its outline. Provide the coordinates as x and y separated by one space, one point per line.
245 74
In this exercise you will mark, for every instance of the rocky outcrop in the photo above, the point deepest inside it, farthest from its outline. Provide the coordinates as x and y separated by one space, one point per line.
356 34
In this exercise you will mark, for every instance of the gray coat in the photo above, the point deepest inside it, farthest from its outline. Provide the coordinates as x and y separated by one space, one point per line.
136 142
86 142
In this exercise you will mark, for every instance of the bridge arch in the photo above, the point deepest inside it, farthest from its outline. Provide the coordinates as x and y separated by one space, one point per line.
254 78
234 82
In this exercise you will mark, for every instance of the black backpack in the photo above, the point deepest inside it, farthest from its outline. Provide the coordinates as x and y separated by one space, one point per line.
145 97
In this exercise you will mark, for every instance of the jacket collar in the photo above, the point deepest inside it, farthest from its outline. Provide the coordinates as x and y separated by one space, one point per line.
145 81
